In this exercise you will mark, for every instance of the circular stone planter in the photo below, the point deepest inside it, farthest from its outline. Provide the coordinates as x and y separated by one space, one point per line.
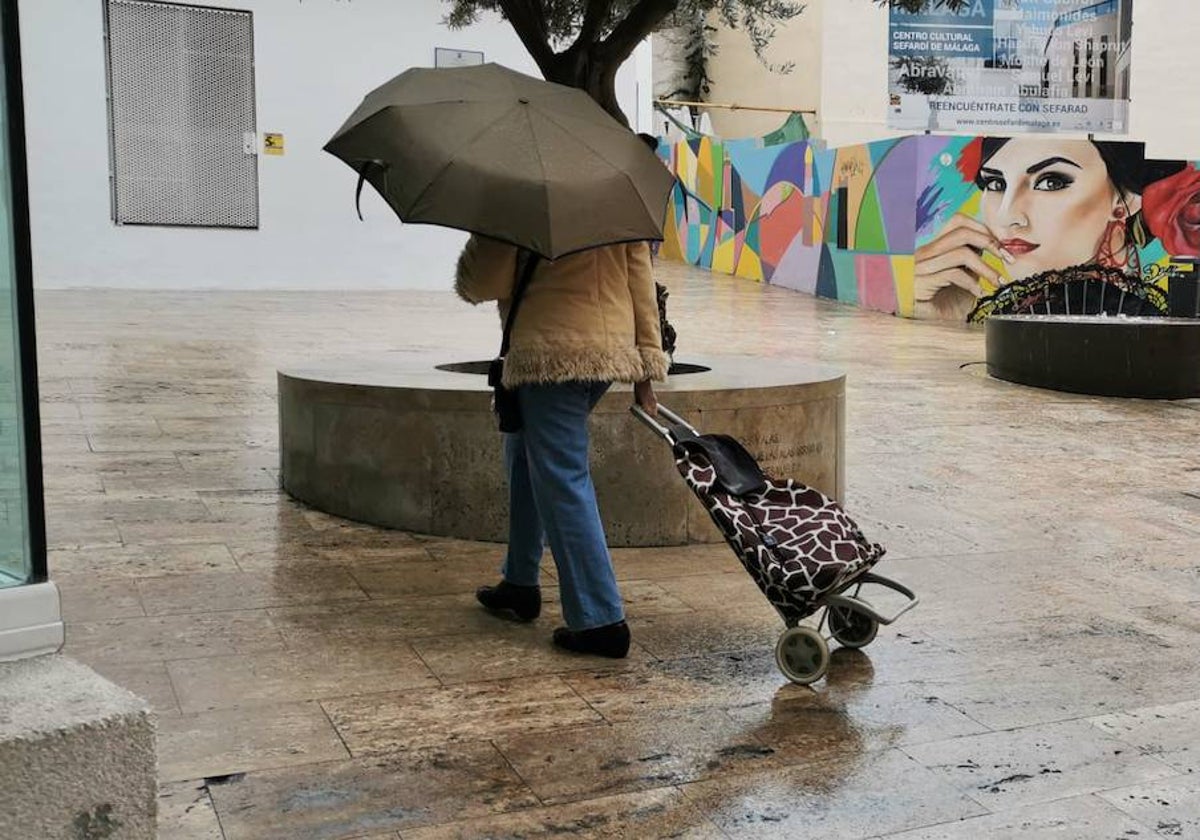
1154 358
409 442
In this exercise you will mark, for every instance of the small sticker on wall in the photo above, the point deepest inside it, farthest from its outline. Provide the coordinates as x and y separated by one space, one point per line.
272 143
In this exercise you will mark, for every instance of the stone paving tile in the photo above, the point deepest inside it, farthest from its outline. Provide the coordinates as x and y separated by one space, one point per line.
729 591
719 681
124 507
241 591
608 759
449 548
237 470
1062 640
222 682
259 557
902 540
509 650
160 638
155 472
705 632
88 598
425 576
68 533
897 656
1171 677
1170 807
664 812
1012 697
370 796
1172 733
1022 767
1079 818
185 812
376 622
210 531
142 561
383 723
148 680
68 444
368 553
674 562
1017 591
844 799
1167 618
873 717
196 746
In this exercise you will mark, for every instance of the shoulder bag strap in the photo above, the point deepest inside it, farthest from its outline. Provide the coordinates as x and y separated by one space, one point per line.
526 275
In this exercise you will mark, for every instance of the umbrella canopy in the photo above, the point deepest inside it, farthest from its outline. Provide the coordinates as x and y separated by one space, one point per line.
490 150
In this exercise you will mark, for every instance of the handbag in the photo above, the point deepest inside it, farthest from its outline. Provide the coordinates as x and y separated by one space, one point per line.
504 400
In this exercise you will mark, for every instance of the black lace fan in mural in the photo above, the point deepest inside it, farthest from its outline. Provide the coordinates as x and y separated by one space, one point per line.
1080 290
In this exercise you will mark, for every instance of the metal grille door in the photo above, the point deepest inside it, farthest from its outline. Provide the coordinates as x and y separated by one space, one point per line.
181 103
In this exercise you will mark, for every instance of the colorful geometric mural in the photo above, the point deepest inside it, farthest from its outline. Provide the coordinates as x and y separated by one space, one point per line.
928 226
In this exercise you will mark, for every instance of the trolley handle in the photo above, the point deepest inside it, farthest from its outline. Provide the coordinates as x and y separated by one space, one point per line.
657 427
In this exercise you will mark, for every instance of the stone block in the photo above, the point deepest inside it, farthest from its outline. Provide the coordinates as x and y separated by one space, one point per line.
77 757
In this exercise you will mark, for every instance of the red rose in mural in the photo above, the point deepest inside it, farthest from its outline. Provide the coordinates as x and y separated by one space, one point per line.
1172 211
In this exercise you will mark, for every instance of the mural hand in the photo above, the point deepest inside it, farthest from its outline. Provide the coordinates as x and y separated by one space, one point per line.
956 252
961 235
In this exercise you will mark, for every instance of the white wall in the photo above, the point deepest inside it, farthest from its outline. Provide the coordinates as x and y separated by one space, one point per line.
315 60
1164 109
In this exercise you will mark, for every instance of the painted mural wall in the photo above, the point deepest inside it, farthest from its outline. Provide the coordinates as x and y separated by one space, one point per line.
939 227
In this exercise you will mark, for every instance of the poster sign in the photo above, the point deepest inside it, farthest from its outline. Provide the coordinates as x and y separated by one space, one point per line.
272 143
443 57
1003 66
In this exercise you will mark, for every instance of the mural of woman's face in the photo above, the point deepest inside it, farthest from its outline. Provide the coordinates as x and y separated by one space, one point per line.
1049 202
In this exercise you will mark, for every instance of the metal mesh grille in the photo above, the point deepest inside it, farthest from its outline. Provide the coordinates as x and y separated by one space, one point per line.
181 86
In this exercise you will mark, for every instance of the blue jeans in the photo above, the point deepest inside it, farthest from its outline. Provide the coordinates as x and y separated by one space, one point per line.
551 498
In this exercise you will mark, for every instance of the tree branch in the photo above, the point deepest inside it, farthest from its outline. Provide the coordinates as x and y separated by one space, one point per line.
593 19
530 26
641 20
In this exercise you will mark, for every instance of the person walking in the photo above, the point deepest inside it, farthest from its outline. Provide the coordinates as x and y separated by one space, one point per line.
586 320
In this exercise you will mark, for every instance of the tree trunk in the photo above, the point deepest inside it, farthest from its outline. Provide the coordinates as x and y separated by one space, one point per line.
590 72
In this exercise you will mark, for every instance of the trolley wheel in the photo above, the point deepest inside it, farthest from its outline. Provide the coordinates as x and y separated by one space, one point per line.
850 628
802 655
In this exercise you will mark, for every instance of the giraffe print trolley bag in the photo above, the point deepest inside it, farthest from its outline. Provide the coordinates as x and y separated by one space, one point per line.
804 552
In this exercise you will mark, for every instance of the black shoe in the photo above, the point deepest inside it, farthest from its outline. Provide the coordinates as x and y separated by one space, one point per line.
611 640
522 602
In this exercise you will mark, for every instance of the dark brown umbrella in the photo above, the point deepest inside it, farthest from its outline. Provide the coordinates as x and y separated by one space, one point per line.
493 151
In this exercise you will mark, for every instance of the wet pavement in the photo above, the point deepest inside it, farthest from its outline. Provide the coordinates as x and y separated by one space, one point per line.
316 678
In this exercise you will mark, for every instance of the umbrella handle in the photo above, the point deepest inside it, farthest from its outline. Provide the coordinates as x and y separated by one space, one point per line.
362 177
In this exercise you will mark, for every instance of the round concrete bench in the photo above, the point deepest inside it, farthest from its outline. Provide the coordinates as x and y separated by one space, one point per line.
1156 358
409 442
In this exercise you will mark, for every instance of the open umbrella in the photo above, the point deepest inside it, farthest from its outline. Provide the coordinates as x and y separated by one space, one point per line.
490 150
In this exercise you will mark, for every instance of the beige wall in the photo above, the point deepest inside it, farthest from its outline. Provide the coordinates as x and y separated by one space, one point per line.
854 72
740 77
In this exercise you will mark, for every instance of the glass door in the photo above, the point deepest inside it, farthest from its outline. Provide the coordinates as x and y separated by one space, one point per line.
22 527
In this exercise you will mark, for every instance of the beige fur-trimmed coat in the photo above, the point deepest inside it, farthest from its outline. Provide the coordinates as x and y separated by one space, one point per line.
591 316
